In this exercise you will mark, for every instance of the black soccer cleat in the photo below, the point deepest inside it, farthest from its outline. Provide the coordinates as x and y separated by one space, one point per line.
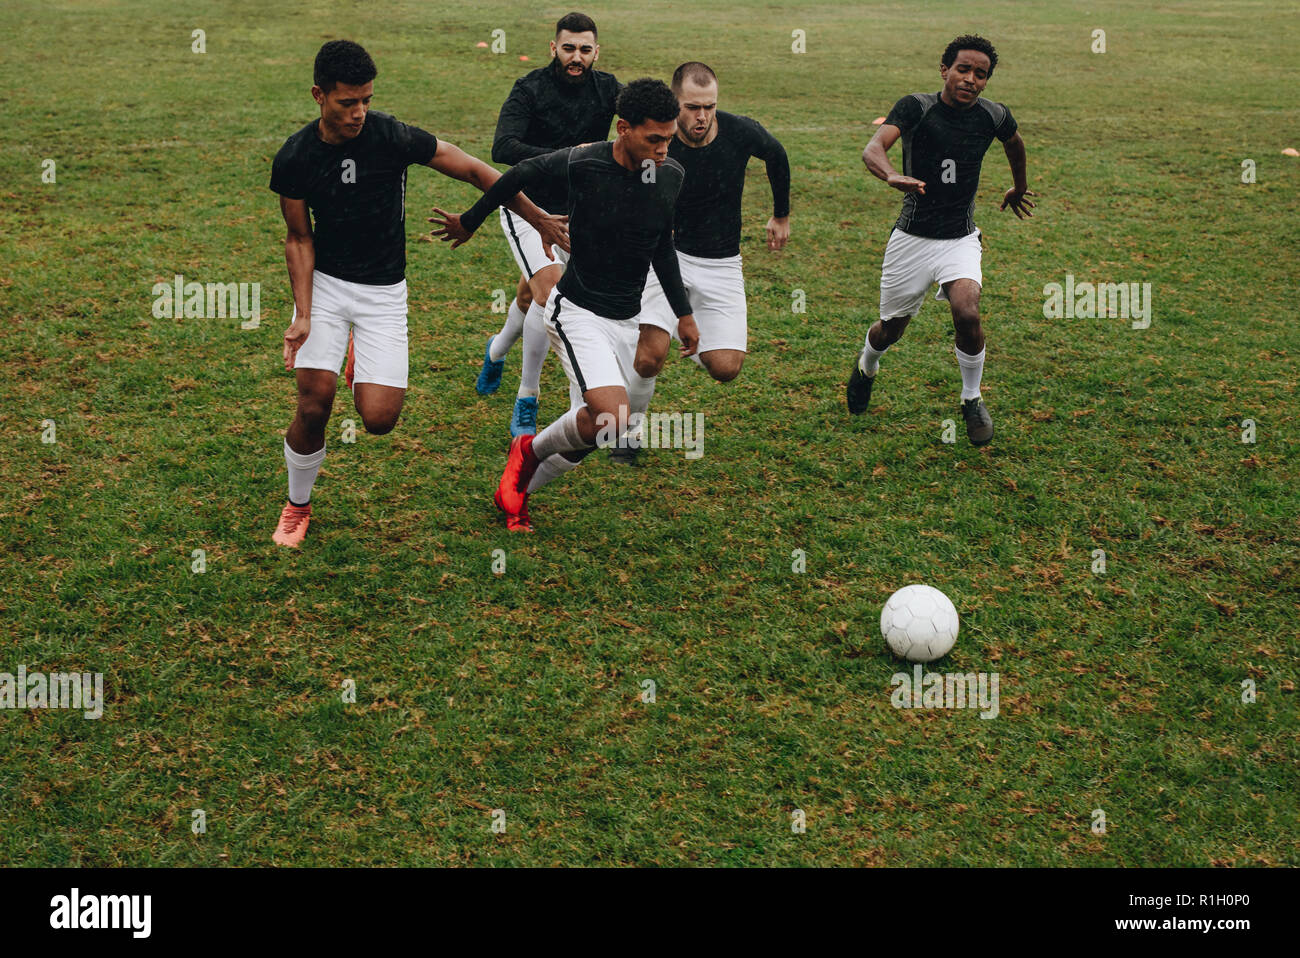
625 455
979 424
859 391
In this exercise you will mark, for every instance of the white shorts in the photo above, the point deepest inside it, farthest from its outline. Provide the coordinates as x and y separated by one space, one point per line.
593 350
915 263
526 244
376 317
716 288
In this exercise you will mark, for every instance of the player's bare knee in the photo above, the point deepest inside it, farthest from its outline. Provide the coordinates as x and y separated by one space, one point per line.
541 283
314 409
647 366
724 369
380 424
893 329
966 317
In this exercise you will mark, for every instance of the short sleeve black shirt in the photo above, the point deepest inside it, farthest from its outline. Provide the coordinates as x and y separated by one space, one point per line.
356 192
945 146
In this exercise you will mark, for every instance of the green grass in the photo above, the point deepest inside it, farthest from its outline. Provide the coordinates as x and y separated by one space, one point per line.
1119 691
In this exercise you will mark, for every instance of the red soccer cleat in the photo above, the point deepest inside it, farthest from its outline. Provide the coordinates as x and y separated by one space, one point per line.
347 370
512 491
520 522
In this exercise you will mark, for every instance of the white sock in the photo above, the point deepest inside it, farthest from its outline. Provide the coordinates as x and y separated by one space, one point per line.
303 468
869 361
972 370
535 346
510 333
560 437
639 393
550 468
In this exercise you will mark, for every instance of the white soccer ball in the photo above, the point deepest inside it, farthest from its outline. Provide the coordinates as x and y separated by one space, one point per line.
919 622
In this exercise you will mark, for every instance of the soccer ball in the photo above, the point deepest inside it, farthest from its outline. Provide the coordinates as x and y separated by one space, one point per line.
919 622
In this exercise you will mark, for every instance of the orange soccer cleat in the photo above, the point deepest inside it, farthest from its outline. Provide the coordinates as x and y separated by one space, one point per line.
292 528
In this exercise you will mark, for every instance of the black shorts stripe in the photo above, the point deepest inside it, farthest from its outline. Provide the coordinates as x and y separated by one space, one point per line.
568 347
510 223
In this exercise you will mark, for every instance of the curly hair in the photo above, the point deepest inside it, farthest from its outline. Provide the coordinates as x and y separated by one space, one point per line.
342 61
647 99
970 41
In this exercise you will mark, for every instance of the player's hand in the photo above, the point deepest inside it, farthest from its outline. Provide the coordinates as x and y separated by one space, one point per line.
554 231
689 334
778 231
451 230
908 184
294 337
1016 200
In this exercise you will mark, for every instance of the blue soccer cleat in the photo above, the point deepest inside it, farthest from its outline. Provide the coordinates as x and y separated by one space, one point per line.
489 377
523 421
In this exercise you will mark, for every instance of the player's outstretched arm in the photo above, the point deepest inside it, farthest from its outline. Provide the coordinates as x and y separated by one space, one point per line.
877 160
498 190
300 255
769 149
1015 197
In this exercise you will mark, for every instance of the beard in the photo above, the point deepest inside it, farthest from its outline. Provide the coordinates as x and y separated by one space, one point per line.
560 71
688 132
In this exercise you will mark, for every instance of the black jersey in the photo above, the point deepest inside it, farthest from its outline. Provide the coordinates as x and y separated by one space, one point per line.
620 225
945 146
708 207
356 192
546 112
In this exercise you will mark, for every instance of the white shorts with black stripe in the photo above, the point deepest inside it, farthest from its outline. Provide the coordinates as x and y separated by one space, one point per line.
594 351
526 245
716 289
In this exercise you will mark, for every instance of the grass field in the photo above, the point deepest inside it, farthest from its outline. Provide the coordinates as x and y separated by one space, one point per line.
1120 691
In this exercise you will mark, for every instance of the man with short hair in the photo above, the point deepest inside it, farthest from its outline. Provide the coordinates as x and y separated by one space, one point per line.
713 148
347 171
622 197
566 103
935 241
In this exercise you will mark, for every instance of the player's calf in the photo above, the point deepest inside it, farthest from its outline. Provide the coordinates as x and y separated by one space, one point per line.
316 388
964 297
880 337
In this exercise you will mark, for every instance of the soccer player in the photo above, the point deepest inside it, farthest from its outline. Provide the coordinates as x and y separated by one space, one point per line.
567 103
935 241
621 201
347 171
713 148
